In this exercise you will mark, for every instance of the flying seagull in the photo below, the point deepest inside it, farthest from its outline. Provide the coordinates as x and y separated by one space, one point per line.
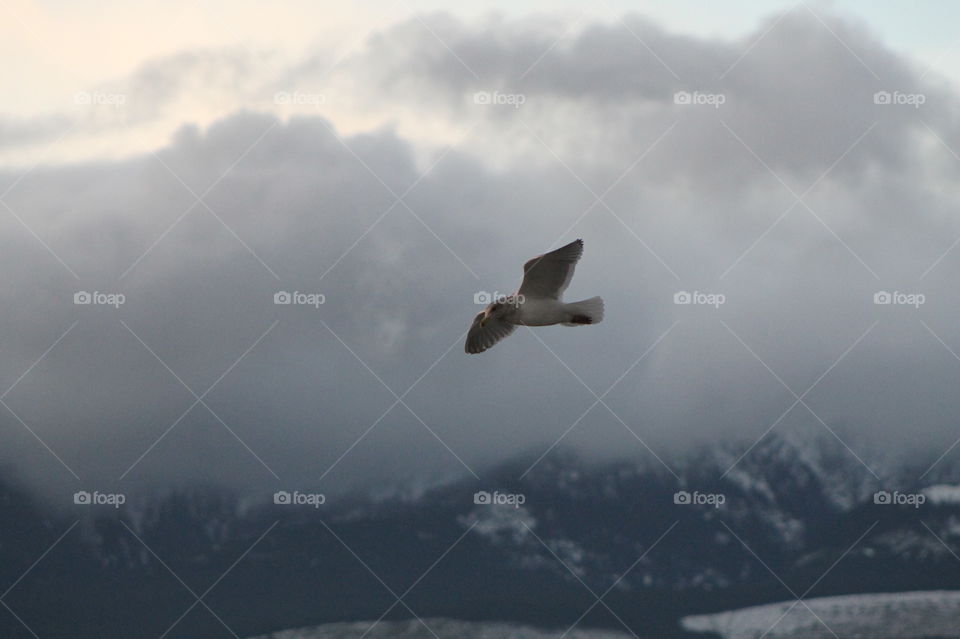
538 302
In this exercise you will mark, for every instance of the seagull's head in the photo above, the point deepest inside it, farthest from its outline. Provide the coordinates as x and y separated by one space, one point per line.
490 312
499 310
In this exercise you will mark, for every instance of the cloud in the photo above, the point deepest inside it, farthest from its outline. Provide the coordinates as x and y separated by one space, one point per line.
297 205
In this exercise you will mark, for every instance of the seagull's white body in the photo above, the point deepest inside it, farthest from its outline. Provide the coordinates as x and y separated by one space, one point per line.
542 311
538 301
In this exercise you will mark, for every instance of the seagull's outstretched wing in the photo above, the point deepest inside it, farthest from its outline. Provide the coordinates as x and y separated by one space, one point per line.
480 338
548 275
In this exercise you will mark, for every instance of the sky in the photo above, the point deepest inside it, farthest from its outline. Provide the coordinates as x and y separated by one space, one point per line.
168 170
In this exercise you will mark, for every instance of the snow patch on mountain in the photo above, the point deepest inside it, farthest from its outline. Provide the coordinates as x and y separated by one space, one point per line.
905 615
432 628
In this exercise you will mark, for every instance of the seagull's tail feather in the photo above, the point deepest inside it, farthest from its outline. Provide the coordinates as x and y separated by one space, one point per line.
585 312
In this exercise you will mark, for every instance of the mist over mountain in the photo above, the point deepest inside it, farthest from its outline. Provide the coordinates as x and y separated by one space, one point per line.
617 528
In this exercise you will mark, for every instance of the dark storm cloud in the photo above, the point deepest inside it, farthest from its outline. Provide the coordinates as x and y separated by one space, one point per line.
291 208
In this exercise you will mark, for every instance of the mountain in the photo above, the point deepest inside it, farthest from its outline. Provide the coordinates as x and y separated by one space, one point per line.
795 514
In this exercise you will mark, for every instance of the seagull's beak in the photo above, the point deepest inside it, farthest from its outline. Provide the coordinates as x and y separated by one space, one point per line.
483 321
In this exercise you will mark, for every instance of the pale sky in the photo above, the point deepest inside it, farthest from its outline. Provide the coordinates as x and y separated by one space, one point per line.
54 50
